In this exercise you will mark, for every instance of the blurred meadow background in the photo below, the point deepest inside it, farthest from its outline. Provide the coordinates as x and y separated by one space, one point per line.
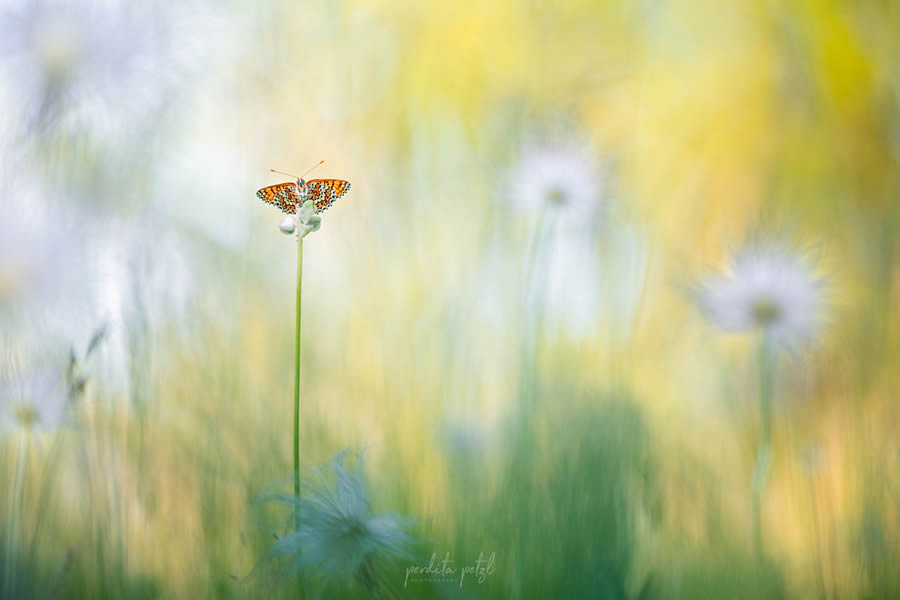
612 302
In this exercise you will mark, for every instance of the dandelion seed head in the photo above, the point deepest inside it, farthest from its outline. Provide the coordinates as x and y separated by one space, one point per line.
556 195
58 46
564 178
769 288
26 414
560 182
765 311
33 395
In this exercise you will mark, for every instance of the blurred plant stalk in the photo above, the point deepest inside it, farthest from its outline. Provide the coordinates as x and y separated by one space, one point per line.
764 453
14 516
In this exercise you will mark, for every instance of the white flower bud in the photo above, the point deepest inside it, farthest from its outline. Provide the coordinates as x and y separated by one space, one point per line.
286 226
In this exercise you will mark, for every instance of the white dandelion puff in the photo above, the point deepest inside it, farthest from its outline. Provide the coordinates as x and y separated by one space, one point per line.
769 288
33 397
561 185
582 263
562 179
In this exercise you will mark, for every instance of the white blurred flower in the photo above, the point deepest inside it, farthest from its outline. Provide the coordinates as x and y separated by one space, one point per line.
33 398
26 257
94 63
583 265
560 179
769 288
339 537
562 185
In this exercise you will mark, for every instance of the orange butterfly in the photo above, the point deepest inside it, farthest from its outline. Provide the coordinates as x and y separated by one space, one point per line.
288 196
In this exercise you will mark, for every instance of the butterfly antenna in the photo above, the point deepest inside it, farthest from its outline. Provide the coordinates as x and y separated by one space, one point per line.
283 173
321 162
301 176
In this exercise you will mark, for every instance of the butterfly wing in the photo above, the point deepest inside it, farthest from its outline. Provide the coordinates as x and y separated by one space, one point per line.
325 191
282 195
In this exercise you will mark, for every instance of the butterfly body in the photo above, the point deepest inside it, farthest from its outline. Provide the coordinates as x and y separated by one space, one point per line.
288 196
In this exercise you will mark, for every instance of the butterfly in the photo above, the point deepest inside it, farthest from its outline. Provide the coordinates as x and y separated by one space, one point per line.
288 196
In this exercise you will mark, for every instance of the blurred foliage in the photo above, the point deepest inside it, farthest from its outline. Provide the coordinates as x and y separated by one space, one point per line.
612 464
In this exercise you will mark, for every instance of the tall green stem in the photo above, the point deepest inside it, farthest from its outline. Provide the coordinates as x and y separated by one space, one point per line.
297 375
533 320
764 456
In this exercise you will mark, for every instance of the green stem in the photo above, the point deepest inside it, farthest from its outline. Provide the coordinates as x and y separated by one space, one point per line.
764 456
47 480
297 376
533 322
14 519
